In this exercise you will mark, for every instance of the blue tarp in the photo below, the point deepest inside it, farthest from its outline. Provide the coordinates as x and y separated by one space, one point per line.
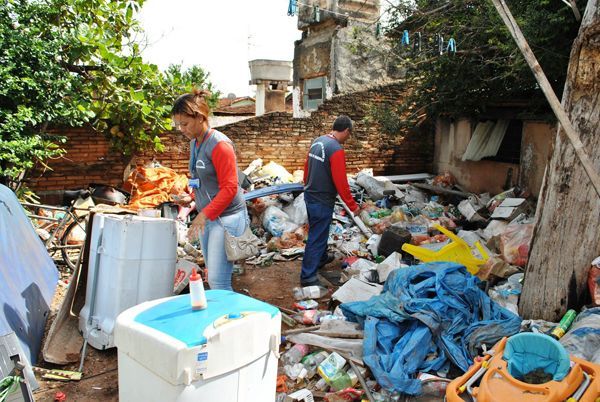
28 276
427 316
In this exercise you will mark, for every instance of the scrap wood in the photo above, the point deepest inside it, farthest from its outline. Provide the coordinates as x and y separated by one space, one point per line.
301 330
362 381
58 375
440 189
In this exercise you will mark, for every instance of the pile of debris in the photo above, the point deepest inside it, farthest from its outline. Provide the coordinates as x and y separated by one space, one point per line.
430 279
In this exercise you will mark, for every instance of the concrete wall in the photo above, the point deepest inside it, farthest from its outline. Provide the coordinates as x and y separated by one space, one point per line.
452 138
273 137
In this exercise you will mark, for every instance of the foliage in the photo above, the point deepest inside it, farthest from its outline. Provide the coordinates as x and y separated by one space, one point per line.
487 67
77 62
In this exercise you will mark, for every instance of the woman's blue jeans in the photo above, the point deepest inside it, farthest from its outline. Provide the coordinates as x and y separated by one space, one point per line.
213 247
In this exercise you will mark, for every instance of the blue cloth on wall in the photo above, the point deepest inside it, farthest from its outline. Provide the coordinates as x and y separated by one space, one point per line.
427 316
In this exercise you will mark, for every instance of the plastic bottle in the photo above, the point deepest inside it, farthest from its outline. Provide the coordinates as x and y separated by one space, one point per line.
563 325
312 361
310 317
197 295
295 354
309 292
344 379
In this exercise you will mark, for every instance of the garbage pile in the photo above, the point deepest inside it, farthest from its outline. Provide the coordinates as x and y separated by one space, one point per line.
431 276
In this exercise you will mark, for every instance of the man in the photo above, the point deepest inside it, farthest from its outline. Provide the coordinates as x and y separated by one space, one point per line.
324 178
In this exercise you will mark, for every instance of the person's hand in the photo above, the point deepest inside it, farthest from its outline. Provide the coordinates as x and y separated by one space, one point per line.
183 200
197 227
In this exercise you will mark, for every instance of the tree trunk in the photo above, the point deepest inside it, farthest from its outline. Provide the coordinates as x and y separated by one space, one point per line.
567 234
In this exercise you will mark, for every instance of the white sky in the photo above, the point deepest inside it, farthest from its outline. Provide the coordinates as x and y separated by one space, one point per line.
220 36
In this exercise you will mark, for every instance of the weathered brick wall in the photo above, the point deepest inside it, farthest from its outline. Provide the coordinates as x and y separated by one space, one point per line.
273 137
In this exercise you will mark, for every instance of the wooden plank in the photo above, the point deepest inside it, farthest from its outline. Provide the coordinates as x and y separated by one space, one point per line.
441 190
544 84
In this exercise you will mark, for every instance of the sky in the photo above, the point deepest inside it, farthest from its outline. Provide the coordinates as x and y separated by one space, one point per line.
220 36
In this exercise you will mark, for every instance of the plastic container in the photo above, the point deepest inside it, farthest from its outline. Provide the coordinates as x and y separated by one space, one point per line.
344 379
309 292
392 239
312 361
132 260
294 354
331 367
226 352
457 251
197 295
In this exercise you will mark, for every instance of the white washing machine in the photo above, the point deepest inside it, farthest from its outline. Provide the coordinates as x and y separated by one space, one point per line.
225 353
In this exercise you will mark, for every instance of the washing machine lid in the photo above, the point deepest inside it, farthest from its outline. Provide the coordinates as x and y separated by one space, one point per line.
176 318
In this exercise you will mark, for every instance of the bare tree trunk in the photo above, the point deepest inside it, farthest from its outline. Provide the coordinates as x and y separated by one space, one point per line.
567 234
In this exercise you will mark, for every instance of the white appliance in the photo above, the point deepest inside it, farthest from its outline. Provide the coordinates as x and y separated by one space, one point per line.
132 260
227 352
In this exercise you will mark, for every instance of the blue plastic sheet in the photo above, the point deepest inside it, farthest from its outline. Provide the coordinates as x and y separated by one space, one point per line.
427 316
527 352
28 276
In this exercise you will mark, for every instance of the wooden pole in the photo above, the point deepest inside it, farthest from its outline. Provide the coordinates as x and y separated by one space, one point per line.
560 113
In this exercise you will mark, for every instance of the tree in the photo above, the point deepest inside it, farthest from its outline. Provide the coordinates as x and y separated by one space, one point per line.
487 67
565 239
77 62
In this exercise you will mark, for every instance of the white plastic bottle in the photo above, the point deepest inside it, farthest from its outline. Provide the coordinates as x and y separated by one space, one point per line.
197 295
309 292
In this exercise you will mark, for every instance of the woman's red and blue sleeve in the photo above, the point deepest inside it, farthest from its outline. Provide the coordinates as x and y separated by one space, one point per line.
223 158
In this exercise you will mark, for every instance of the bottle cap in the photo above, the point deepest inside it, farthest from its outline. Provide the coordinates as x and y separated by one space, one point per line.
194 276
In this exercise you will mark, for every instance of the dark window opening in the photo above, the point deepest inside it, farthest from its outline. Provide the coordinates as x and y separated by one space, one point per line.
315 93
510 148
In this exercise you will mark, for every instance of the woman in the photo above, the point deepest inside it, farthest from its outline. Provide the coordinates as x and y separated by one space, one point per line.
214 179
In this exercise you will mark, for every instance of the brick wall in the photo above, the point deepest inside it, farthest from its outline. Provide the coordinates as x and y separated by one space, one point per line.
273 137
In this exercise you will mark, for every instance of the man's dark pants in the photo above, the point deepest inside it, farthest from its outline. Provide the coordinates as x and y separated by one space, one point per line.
315 252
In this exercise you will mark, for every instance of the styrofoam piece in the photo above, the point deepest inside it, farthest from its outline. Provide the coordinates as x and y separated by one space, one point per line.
226 352
137 257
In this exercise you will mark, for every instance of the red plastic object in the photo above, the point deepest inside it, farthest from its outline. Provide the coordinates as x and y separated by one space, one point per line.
60 397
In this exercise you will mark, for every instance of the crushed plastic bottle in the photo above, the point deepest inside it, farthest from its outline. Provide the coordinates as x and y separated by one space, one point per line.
310 317
297 372
309 292
312 361
294 354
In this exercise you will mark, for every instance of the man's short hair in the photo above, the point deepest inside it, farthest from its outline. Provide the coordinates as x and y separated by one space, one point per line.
342 122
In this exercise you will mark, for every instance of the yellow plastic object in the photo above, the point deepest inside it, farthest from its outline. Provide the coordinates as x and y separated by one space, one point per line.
497 385
457 251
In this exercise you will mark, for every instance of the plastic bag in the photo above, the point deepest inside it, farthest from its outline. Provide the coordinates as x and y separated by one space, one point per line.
373 186
583 339
514 243
507 294
277 222
297 210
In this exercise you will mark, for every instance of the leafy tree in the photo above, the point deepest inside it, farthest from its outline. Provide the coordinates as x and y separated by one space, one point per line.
487 66
77 62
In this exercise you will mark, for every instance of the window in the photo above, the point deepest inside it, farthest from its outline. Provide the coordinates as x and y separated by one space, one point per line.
314 93
510 148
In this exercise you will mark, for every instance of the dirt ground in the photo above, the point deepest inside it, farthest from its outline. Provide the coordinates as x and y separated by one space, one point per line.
272 284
